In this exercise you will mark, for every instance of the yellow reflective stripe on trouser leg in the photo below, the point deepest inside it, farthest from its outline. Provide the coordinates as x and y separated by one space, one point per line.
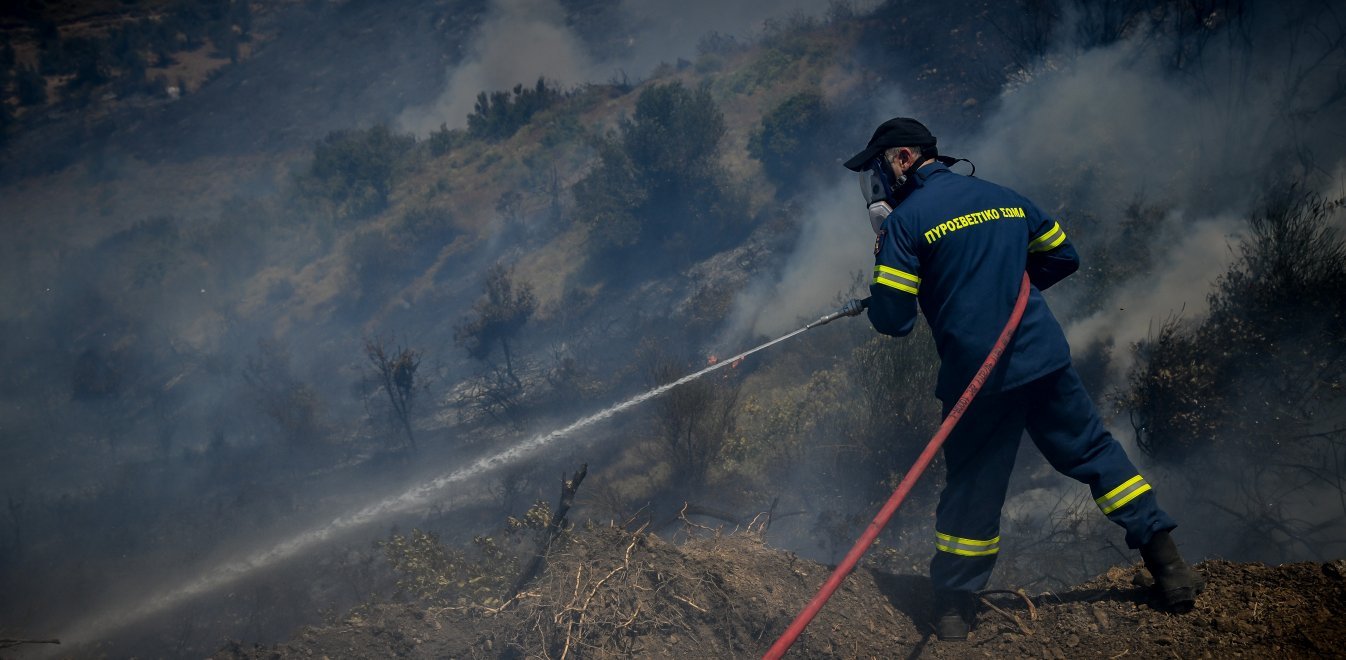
966 547
898 279
1119 496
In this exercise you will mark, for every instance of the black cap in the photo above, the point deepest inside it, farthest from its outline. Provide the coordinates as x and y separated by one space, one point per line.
896 132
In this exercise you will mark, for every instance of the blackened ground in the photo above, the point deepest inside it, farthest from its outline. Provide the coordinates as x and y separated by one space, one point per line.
610 592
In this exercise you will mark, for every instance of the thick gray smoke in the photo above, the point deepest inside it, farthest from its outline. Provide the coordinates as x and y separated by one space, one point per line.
1195 259
522 40
834 246
1202 143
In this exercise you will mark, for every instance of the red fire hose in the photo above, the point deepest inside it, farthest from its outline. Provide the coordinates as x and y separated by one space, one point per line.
890 507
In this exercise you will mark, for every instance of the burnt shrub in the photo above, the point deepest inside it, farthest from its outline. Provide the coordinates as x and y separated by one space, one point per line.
1268 359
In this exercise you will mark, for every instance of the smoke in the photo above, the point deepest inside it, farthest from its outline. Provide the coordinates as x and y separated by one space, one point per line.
521 41
1090 132
1133 312
833 247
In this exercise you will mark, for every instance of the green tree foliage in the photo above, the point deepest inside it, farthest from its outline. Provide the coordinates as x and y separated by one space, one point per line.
1271 354
658 182
675 133
791 140
498 115
355 170
443 140
609 199
496 318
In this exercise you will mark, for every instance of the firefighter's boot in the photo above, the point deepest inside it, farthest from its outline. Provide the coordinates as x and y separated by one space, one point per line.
1175 583
955 614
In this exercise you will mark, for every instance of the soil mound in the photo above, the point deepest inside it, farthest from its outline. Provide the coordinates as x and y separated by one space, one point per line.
610 592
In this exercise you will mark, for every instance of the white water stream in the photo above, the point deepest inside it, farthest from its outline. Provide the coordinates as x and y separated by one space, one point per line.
98 626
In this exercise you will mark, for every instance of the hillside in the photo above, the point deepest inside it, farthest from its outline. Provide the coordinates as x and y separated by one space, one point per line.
610 593
300 299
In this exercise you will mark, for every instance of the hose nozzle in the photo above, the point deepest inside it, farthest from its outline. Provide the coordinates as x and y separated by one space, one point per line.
852 308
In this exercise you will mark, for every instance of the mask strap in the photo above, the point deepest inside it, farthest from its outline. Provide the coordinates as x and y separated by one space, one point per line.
950 161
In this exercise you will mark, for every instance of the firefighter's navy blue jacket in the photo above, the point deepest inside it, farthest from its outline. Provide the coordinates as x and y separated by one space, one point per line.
959 245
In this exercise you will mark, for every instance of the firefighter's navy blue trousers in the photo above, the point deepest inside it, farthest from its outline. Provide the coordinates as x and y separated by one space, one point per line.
979 455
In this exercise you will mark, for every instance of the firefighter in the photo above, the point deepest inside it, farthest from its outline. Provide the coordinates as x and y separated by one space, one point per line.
958 246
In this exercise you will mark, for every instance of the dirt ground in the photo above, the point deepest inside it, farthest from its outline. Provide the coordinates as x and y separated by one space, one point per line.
610 592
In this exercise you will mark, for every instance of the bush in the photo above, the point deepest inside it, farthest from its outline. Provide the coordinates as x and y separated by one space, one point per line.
675 133
355 169
659 181
499 115
444 140
1273 348
695 422
899 414
608 200
791 141
501 312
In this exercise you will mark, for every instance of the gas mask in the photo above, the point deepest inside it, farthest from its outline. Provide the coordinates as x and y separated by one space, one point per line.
880 186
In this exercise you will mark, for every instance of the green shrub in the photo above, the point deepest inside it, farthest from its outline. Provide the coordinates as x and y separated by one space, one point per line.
355 170
658 182
498 115
763 71
444 140
791 141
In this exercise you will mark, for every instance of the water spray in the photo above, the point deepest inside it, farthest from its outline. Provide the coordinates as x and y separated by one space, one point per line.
422 494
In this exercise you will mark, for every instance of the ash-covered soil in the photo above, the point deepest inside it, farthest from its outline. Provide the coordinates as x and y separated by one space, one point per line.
609 592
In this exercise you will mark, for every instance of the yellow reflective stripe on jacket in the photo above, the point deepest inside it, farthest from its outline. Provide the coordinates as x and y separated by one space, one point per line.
900 280
1048 241
966 547
1119 496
